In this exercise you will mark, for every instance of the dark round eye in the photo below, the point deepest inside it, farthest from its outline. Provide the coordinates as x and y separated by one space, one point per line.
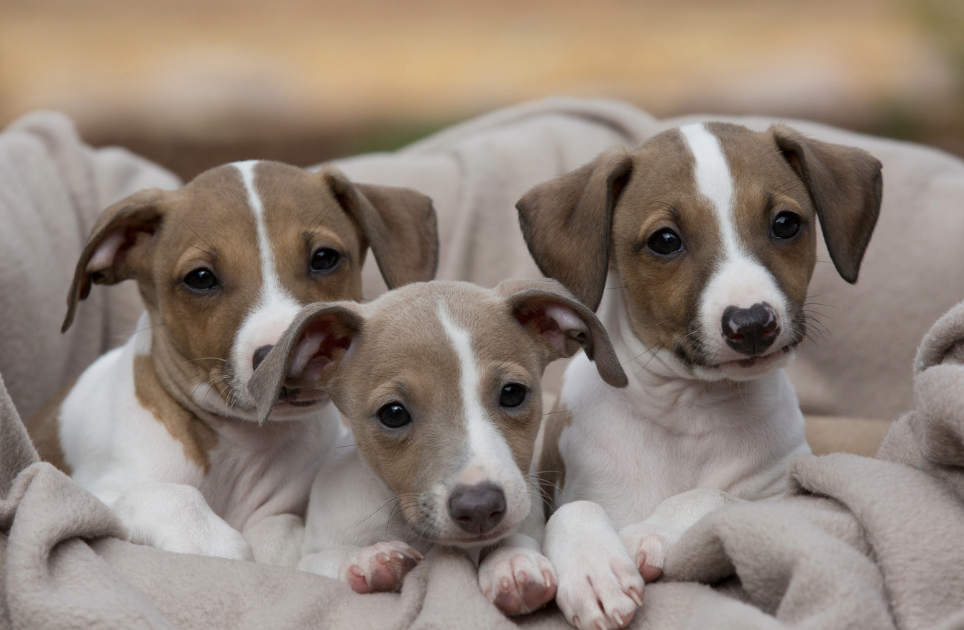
512 395
786 225
324 259
394 416
665 242
201 280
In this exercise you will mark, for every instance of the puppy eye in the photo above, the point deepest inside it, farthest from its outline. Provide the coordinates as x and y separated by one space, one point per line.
512 395
394 416
665 242
324 259
786 225
201 280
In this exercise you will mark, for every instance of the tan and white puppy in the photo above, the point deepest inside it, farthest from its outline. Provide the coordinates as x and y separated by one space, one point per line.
441 384
697 249
163 428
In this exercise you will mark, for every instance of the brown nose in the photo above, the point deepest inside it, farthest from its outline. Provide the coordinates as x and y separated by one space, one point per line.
259 355
751 330
477 509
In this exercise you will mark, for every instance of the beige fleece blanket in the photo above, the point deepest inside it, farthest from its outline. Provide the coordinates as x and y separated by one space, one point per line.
857 543
863 543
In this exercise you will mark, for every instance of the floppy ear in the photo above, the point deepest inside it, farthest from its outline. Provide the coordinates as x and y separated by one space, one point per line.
309 353
562 325
399 225
118 245
567 222
845 186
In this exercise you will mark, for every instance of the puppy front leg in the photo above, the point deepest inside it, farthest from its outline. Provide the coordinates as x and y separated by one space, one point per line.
175 517
373 569
349 516
649 541
599 586
514 575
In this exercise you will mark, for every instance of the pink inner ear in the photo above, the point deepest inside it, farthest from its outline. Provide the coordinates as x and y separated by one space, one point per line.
305 351
315 350
106 252
554 324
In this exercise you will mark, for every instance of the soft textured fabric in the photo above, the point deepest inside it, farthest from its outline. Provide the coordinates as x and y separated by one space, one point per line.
860 543
857 543
52 189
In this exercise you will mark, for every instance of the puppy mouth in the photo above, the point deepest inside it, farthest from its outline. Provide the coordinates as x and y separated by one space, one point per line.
755 362
299 398
480 540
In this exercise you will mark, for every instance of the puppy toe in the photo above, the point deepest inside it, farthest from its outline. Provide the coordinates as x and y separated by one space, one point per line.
357 581
536 592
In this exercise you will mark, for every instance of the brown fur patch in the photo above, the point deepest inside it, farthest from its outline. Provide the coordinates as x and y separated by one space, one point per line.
44 430
197 438
552 468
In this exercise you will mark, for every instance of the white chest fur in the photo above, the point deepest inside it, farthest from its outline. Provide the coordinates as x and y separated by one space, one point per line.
254 471
664 434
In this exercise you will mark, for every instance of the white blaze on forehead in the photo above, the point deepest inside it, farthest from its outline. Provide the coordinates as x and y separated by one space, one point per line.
738 279
713 180
271 285
275 309
489 455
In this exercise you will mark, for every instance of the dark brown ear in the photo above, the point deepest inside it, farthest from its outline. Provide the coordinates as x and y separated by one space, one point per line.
308 354
399 225
562 325
566 223
118 245
845 185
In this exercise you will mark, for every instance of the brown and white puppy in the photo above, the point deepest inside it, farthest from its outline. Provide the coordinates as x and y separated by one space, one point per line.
441 385
697 249
163 429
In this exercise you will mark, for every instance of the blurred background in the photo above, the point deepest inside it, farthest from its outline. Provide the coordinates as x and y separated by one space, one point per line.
195 83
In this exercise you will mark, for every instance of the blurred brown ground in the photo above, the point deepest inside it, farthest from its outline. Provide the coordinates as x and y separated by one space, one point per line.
195 83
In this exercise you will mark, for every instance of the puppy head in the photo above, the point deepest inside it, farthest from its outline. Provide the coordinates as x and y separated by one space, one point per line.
226 262
712 230
441 385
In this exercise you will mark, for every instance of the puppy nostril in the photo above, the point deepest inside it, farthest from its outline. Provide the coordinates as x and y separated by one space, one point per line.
477 509
751 330
259 355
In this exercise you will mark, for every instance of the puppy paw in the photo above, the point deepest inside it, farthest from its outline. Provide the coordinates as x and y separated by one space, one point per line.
648 547
380 567
599 585
517 580
175 517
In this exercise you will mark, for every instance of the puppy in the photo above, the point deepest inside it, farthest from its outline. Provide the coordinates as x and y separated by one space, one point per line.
440 383
163 429
697 249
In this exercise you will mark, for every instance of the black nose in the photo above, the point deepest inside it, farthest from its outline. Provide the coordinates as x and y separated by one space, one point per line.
750 330
259 355
477 509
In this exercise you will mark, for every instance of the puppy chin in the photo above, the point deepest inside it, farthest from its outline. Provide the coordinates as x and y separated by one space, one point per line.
746 369
448 534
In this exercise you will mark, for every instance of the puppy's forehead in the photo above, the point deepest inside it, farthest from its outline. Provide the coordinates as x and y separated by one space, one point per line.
414 319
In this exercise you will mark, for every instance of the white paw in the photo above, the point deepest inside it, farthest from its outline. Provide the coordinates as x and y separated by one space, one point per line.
599 585
175 517
380 567
517 580
647 545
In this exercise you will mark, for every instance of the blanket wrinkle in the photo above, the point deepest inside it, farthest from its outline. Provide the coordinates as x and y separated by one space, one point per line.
788 567
18 451
908 542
